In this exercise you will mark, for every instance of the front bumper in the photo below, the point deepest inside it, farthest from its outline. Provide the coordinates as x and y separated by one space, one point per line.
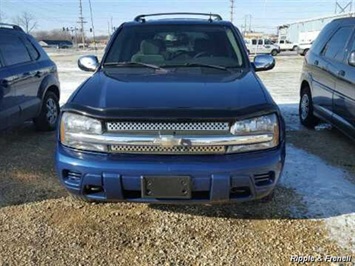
215 178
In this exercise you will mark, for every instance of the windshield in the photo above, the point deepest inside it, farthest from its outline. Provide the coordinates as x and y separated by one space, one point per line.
175 45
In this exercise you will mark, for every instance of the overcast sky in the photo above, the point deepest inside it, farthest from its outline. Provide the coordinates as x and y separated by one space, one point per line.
266 14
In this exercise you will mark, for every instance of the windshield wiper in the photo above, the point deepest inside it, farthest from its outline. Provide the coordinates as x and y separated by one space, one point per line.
201 65
128 64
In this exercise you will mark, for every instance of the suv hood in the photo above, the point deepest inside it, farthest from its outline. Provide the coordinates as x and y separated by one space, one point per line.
109 94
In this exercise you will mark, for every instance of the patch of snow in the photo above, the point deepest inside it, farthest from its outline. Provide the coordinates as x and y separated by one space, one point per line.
325 191
67 88
290 114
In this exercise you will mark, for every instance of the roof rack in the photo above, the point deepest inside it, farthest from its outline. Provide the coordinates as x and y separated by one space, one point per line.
10 26
141 18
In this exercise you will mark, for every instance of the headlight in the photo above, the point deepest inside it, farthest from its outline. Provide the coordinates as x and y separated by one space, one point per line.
260 133
72 125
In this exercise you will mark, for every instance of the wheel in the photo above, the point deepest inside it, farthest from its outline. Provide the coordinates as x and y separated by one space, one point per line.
295 48
305 52
274 52
306 115
48 117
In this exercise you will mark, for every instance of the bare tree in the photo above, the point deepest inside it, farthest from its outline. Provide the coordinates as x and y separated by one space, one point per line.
57 34
27 21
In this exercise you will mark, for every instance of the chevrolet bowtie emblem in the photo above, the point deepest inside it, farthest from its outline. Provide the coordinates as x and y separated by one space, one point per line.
170 141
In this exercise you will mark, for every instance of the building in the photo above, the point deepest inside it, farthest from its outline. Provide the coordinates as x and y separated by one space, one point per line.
305 32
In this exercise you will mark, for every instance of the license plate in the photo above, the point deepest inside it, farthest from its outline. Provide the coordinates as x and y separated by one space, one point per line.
167 187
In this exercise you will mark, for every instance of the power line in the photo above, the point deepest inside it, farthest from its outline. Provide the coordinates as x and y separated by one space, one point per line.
340 8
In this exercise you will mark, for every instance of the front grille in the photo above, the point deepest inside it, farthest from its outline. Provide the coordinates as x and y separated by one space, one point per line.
167 126
168 150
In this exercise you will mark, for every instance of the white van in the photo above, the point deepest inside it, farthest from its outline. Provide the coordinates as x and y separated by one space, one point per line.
262 46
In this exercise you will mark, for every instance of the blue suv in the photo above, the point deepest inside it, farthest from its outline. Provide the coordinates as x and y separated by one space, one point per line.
174 113
29 86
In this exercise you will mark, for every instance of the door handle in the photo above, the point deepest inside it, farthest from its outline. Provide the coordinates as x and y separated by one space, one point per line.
341 73
316 62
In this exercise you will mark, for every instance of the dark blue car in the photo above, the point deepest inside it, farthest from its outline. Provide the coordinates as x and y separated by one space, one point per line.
29 86
174 113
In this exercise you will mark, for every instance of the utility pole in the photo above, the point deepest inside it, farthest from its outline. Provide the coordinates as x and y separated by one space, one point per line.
92 25
250 18
245 25
111 25
75 31
81 22
232 10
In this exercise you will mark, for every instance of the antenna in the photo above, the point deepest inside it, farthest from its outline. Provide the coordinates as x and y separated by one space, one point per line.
210 17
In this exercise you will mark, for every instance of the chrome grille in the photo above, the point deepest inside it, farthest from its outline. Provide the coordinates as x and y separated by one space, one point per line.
168 126
168 150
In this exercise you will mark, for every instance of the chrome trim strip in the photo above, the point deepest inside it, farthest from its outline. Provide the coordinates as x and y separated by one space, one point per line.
168 150
167 126
170 141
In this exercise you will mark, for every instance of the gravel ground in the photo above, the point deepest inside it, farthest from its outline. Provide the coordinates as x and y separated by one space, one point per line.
40 225
71 233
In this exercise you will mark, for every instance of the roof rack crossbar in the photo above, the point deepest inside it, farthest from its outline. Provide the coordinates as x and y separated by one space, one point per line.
141 18
13 26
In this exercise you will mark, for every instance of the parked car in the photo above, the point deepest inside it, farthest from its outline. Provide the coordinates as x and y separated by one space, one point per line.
174 113
262 46
286 45
328 78
303 48
29 86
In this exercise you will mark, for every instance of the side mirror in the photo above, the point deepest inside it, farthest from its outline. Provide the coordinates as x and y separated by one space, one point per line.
264 62
88 63
352 59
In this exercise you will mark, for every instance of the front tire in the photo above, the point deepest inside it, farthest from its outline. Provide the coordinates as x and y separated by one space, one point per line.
305 52
274 52
48 117
306 115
